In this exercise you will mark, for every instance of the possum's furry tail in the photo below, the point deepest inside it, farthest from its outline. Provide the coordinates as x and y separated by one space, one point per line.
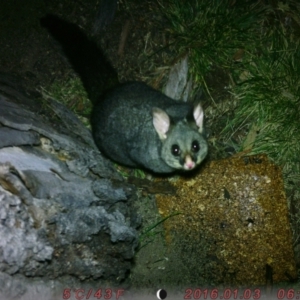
86 58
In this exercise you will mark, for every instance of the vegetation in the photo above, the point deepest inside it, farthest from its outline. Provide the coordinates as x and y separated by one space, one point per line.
212 31
256 43
72 93
148 235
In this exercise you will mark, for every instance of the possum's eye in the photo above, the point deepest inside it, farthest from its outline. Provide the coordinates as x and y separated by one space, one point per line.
175 150
195 146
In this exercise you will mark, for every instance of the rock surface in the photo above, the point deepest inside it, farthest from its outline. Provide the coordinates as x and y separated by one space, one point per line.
64 210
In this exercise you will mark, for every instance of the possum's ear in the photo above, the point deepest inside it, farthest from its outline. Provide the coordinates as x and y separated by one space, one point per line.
161 122
198 117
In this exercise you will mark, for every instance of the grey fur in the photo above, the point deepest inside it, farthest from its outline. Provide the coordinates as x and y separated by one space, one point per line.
132 123
123 129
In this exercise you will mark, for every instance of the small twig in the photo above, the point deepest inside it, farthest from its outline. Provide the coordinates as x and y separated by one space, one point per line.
124 36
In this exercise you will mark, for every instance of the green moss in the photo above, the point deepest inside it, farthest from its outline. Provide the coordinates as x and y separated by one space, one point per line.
72 93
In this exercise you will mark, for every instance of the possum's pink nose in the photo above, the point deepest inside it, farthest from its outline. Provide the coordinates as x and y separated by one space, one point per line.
189 163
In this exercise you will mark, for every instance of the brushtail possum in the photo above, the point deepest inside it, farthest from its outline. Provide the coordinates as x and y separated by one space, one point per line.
132 123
